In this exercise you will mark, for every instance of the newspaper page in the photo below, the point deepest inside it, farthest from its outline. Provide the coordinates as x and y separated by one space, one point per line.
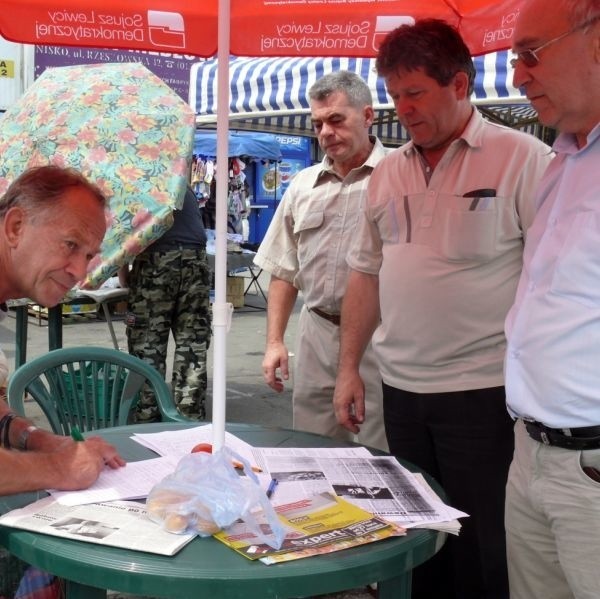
176 444
377 484
314 525
122 524
451 526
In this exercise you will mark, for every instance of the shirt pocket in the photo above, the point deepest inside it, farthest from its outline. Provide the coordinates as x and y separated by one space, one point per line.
469 235
577 272
308 232
310 220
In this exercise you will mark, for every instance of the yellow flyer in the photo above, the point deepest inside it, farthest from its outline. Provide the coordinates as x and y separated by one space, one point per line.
314 525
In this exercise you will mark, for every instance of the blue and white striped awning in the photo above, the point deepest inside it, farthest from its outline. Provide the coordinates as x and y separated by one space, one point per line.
271 94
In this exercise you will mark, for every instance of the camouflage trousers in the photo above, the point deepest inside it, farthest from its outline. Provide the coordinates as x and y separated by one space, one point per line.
169 293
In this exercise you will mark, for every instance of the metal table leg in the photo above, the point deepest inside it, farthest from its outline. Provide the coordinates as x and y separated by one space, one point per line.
21 335
55 336
254 281
109 322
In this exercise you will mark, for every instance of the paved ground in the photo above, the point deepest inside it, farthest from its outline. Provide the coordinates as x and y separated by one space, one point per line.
248 398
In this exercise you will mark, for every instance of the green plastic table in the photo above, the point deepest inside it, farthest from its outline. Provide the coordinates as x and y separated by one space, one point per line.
55 315
207 568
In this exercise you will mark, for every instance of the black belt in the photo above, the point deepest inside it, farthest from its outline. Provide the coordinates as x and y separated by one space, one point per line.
585 437
334 318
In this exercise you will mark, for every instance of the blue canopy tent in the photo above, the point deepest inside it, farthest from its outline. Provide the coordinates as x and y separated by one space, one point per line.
241 143
271 94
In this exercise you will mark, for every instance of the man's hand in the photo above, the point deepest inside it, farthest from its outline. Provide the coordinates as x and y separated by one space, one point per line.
276 356
349 400
79 463
45 441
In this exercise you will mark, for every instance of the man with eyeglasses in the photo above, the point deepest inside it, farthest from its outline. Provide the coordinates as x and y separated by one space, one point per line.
553 329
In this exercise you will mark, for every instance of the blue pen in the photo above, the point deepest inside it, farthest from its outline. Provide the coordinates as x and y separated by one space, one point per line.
272 486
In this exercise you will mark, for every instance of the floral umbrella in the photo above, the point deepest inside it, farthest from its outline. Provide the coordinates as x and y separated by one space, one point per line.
122 127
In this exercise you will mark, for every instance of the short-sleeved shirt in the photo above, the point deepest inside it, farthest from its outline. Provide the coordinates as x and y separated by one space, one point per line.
307 241
448 254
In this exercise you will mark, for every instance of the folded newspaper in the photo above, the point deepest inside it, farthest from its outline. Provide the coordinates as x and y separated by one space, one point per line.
314 525
122 524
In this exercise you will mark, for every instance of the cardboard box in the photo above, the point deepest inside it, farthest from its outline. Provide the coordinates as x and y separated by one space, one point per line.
235 291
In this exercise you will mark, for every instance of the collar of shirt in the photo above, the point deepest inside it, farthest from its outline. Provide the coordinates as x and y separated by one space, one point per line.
377 153
471 135
566 143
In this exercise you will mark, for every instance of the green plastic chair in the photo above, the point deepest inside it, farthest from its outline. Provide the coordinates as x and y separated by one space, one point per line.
89 387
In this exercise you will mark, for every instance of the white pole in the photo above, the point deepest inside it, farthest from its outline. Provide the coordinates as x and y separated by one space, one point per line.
221 309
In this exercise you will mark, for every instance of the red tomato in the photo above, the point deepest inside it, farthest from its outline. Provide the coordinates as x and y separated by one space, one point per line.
205 447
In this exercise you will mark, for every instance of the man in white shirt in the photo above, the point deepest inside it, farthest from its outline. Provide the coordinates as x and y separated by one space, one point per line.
553 328
434 268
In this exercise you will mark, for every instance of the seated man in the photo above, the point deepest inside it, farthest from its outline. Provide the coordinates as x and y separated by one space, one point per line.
52 224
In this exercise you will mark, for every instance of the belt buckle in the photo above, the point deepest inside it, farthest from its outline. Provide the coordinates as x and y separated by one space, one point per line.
544 438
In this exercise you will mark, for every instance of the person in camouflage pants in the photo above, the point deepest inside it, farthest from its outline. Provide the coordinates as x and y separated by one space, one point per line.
169 286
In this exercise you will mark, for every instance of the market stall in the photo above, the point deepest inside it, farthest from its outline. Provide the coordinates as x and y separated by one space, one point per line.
271 94
246 153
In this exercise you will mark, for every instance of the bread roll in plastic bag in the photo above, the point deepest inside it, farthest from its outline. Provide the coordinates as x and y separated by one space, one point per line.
206 493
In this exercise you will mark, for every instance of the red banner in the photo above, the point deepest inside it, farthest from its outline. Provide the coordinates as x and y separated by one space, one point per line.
258 27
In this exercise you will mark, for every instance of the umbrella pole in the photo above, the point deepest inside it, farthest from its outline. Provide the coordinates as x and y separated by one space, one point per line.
221 309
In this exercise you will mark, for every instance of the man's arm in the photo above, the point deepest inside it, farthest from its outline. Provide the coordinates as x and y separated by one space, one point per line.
75 465
360 317
282 297
50 461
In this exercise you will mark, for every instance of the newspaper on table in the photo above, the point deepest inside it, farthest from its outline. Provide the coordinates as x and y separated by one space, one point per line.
377 484
315 525
176 444
134 481
451 526
122 524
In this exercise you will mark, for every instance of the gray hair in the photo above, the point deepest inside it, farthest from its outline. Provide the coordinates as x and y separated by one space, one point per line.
39 188
355 88
581 12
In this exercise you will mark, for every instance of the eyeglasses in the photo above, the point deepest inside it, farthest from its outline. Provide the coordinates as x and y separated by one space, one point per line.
530 57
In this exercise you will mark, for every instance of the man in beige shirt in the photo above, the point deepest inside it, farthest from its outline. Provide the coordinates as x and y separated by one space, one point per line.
435 262
305 249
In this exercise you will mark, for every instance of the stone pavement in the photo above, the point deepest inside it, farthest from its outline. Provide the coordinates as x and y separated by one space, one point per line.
248 397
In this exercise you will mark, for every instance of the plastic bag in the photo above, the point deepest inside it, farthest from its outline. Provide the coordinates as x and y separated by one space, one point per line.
206 493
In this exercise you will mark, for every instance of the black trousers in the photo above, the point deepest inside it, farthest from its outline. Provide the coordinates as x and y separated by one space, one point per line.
464 440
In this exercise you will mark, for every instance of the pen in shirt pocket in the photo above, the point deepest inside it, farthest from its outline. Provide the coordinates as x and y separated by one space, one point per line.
477 194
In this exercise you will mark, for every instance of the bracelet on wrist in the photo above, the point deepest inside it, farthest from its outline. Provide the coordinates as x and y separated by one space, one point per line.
24 437
5 422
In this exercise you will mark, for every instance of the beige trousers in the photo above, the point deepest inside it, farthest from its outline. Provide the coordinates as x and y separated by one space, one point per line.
314 374
552 522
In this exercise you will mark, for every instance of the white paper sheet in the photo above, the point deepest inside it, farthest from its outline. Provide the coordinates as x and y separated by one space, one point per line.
179 443
133 481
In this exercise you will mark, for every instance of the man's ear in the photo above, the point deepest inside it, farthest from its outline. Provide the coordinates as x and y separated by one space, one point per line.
369 114
13 224
461 85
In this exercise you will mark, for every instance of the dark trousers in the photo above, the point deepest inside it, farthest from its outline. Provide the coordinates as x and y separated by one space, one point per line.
465 441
